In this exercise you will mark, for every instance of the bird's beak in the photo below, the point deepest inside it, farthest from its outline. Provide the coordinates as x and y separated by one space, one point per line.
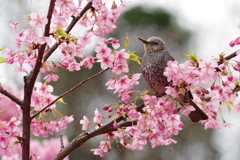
143 40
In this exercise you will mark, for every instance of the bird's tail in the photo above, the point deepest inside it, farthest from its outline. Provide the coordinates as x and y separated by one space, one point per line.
197 114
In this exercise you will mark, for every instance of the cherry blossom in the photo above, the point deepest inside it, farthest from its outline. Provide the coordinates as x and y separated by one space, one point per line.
38 19
85 122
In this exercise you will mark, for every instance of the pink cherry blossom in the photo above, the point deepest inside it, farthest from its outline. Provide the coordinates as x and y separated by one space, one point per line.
102 50
9 56
150 101
51 77
138 143
106 61
115 43
20 69
64 4
64 121
171 92
125 98
38 19
20 58
105 146
87 62
238 53
43 89
122 56
13 26
42 40
97 152
134 131
98 117
74 66
85 123
186 110
86 39
120 67
122 83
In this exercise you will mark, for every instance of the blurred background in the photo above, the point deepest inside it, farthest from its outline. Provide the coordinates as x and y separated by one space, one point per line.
205 27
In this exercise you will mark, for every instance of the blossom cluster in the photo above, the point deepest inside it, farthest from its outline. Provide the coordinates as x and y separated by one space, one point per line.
97 21
159 120
8 132
41 97
192 74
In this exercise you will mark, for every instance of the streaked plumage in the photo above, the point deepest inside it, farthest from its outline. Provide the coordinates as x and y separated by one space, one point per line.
153 64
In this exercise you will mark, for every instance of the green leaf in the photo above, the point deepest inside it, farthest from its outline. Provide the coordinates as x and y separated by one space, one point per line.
221 55
1 111
2 48
61 101
26 16
134 57
192 57
126 43
228 106
2 60
61 32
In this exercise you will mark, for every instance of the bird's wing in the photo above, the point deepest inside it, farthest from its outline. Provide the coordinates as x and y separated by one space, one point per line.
168 57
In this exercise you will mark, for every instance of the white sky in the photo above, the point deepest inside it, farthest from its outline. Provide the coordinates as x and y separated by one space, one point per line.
214 21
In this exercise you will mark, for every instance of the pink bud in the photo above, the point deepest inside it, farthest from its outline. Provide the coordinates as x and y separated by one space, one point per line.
232 43
118 111
125 109
223 67
198 91
230 77
110 110
105 108
115 125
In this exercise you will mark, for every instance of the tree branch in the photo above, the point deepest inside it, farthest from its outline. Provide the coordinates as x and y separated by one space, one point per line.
69 91
11 96
107 128
29 81
230 56
69 28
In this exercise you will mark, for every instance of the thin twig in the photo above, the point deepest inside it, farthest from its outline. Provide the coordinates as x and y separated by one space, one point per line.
230 56
69 28
70 90
61 136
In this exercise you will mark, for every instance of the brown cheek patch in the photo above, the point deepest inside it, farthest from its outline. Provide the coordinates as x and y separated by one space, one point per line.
160 47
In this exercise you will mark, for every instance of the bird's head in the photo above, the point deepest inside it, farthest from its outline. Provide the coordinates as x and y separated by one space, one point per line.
153 44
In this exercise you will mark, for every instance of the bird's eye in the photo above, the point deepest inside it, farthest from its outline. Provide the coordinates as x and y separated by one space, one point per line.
155 43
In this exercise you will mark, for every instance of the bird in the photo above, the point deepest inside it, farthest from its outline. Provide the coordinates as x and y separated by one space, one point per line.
153 64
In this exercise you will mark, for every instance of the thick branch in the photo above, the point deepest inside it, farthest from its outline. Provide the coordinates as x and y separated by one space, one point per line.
11 96
69 91
29 81
69 28
107 128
